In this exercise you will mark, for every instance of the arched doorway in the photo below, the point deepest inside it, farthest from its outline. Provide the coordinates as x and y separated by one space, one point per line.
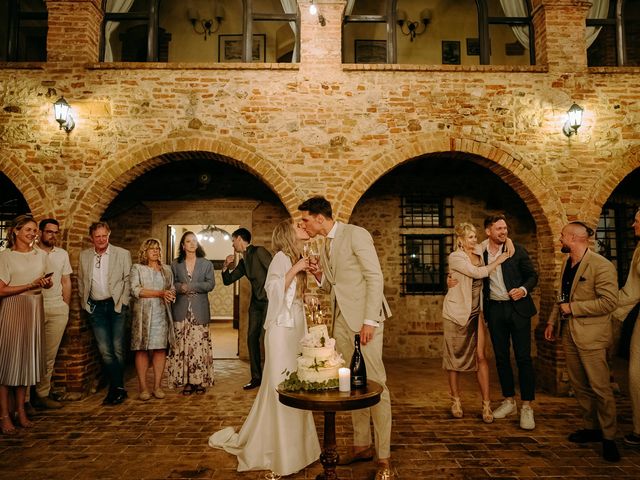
193 191
12 204
411 212
616 241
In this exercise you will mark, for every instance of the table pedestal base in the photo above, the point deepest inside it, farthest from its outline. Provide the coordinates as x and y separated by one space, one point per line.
329 455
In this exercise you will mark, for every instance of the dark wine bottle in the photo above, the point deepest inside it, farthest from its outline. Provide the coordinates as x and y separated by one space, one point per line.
358 368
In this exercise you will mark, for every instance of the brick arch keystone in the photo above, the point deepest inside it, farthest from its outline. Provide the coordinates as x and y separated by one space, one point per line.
127 165
606 183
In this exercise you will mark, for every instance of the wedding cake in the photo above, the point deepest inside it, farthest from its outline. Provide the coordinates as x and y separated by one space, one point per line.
319 362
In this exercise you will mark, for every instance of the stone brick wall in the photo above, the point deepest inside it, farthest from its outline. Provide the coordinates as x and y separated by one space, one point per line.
323 127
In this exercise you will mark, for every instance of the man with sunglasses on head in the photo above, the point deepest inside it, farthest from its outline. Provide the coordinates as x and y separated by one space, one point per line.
56 308
589 293
103 286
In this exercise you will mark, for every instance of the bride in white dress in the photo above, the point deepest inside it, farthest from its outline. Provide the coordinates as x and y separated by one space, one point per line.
276 437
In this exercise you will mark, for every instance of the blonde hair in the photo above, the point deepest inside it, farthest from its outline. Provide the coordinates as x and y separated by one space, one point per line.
461 231
143 257
283 239
19 222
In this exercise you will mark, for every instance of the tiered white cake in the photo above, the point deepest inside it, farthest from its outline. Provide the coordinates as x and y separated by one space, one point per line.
319 362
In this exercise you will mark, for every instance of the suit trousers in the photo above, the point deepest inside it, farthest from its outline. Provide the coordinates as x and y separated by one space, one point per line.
56 317
589 376
634 376
255 333
507 327
381 412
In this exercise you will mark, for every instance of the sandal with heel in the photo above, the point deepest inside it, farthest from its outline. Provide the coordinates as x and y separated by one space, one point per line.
487 414
456 407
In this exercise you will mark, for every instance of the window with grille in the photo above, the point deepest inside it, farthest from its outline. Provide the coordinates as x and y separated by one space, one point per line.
615 238
424 261
418 211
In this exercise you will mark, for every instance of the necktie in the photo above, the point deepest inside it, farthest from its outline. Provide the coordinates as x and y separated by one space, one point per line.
327 248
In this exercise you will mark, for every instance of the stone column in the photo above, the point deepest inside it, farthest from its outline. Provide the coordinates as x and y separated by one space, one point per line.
560 34
74 30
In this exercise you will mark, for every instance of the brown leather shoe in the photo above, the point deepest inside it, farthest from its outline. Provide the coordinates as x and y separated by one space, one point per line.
385 472
45 403
350 457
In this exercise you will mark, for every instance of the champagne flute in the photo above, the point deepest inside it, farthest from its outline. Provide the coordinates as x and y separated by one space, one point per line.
562 298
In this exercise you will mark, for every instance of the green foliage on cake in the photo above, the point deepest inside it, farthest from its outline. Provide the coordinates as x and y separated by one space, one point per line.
293 384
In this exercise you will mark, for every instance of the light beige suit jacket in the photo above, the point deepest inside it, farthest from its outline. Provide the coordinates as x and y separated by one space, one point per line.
594 295
119 270
629 295
354 277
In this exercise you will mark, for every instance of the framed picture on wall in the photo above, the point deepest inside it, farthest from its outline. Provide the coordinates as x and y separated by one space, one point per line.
473 47
450 52
370 51
230 48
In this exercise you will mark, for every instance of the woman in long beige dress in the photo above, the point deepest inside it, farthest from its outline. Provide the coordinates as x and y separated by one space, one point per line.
463 325
22 355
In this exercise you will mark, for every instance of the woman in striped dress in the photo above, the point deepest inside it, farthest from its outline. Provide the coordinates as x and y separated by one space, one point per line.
22 276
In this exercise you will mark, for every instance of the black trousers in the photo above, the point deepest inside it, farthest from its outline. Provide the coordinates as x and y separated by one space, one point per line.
257 315
507 327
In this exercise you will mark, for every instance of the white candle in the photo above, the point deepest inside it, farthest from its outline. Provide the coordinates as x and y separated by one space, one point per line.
344 375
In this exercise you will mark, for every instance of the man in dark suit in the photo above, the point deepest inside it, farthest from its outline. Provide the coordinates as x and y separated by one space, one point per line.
508 309
589 294
254 266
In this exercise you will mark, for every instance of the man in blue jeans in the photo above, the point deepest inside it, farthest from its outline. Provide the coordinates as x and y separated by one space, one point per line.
103 285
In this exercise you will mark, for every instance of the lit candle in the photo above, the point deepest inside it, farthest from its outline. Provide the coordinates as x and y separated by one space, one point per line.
344 375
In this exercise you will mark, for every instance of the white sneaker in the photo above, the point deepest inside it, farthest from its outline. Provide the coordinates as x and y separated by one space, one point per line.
526 418
508 407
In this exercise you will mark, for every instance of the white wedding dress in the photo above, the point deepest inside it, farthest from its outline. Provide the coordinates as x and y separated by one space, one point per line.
275 437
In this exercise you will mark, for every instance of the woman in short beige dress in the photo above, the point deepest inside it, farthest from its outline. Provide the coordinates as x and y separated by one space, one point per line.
463 325
22 354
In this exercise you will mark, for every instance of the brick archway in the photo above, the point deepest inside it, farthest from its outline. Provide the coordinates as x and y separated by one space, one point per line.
602 189
543 203
24 179
112 177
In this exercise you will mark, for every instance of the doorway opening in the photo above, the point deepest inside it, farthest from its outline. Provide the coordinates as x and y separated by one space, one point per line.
215 239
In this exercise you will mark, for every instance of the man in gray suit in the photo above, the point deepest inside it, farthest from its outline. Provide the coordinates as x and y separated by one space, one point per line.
589 293
103 286
350 269
254 266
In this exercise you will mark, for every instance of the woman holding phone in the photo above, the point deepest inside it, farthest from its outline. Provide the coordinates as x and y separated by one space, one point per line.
22 360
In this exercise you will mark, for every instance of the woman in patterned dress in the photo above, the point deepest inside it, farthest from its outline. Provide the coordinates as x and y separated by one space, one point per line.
191 358
152 323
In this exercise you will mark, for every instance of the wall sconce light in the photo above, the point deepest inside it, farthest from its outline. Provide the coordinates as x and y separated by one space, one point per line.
407 27
62 111
206 26
574 120
313 10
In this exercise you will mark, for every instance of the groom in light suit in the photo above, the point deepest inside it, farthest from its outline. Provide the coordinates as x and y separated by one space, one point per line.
350 269
103 286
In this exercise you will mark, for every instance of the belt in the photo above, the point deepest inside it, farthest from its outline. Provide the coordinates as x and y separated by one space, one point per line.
106 300
500 301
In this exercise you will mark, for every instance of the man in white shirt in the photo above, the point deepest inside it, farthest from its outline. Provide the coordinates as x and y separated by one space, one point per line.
56 308
103 286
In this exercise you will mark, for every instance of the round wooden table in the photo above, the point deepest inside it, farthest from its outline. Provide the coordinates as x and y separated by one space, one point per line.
330 402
